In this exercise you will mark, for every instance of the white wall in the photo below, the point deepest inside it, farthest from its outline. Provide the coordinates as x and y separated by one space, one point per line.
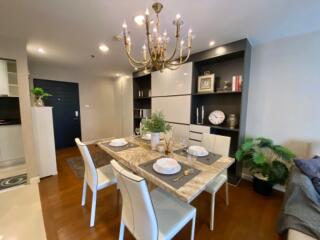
16 49
284 90
96 99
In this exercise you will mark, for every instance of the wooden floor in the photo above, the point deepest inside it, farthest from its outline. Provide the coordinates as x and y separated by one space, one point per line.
249 215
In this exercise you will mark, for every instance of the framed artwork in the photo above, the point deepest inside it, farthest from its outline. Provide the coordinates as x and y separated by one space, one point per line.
206 83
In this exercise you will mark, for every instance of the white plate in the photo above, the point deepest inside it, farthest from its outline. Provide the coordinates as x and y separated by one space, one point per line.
198 151
166 166
146 137
118 143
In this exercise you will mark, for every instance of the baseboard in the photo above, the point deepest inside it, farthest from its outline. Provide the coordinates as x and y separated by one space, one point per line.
34 180
277 187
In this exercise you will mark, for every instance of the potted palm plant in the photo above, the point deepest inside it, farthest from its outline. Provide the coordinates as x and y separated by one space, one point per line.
155 125
269 163
39 94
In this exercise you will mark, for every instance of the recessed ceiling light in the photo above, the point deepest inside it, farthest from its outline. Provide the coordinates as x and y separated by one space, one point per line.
103 48
41 50
118 75
139 19
211 43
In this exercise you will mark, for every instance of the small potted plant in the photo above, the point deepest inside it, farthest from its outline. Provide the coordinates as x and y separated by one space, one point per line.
155 125
268 163
39 94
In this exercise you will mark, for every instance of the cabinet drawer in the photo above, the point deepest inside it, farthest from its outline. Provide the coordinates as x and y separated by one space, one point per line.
195 136
199 128
193 142
175 109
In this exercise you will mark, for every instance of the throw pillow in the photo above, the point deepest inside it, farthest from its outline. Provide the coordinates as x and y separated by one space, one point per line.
310 167
316 184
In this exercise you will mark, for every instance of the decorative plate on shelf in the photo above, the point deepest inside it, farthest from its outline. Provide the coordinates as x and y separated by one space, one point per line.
217 117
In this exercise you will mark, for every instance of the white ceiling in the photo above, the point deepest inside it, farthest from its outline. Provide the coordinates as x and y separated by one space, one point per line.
71 30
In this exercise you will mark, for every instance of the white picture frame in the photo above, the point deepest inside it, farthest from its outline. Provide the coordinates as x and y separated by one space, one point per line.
206 83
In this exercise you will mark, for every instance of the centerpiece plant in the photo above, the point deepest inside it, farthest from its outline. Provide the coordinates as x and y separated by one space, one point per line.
269 163
155 125
39 94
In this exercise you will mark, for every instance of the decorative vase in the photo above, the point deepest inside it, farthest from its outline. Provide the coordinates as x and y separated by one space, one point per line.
39 102
232 121
262 186
155 140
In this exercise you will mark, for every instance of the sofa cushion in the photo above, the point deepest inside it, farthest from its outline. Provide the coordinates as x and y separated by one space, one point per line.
316 184
310 167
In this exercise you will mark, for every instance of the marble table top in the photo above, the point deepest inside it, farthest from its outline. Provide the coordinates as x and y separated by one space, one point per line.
132 158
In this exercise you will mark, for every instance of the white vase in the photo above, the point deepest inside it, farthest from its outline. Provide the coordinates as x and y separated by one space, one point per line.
155 140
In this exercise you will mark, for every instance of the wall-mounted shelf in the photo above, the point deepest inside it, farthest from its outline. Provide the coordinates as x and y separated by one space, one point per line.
142 98
216 93
141 83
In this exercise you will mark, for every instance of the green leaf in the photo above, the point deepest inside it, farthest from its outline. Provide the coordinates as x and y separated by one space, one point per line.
278 172
259 158
247 145
283 152
264 142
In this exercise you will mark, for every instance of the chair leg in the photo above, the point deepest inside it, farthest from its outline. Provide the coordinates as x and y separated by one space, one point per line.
118 199
227 194
84 193
93 207
213 196
121 233
193 226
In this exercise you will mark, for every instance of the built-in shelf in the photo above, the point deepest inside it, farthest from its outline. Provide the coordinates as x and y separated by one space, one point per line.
142 98
225 128
217 93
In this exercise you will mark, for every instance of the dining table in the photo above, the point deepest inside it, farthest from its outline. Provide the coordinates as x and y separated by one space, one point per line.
138 153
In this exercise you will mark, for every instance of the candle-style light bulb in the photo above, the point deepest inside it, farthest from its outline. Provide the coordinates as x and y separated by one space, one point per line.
147 12
144 50
124 25
178 16
182 42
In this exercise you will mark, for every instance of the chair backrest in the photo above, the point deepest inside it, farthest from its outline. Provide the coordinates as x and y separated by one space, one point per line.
137 210
90 172
216 143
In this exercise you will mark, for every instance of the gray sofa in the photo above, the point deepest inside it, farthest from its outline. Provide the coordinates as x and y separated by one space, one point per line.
300 215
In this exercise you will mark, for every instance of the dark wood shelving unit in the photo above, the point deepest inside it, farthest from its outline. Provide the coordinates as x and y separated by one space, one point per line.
234 61
217 93
141 83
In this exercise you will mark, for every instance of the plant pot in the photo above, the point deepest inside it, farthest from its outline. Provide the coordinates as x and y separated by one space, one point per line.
38 102
155 140
262 186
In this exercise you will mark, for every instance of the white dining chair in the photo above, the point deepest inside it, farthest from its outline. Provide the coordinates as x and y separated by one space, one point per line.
220 145
150 215
95 178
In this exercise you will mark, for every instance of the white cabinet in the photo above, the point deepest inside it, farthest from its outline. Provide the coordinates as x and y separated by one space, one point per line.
44 141
180 132
4 80
172 82
175 109
11 146
196 132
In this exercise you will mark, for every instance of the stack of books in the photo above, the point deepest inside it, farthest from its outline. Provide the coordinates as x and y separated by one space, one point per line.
236 83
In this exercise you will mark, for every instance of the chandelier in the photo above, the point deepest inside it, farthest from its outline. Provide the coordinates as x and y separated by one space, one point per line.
154 51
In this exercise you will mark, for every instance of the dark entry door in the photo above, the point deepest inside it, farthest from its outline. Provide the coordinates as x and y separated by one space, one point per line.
66 110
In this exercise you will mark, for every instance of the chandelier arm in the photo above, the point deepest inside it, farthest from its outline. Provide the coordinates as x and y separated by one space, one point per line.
180 62
134 60
176 46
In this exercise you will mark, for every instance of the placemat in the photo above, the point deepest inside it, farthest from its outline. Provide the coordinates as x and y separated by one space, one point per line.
119 149
169 178
208 160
